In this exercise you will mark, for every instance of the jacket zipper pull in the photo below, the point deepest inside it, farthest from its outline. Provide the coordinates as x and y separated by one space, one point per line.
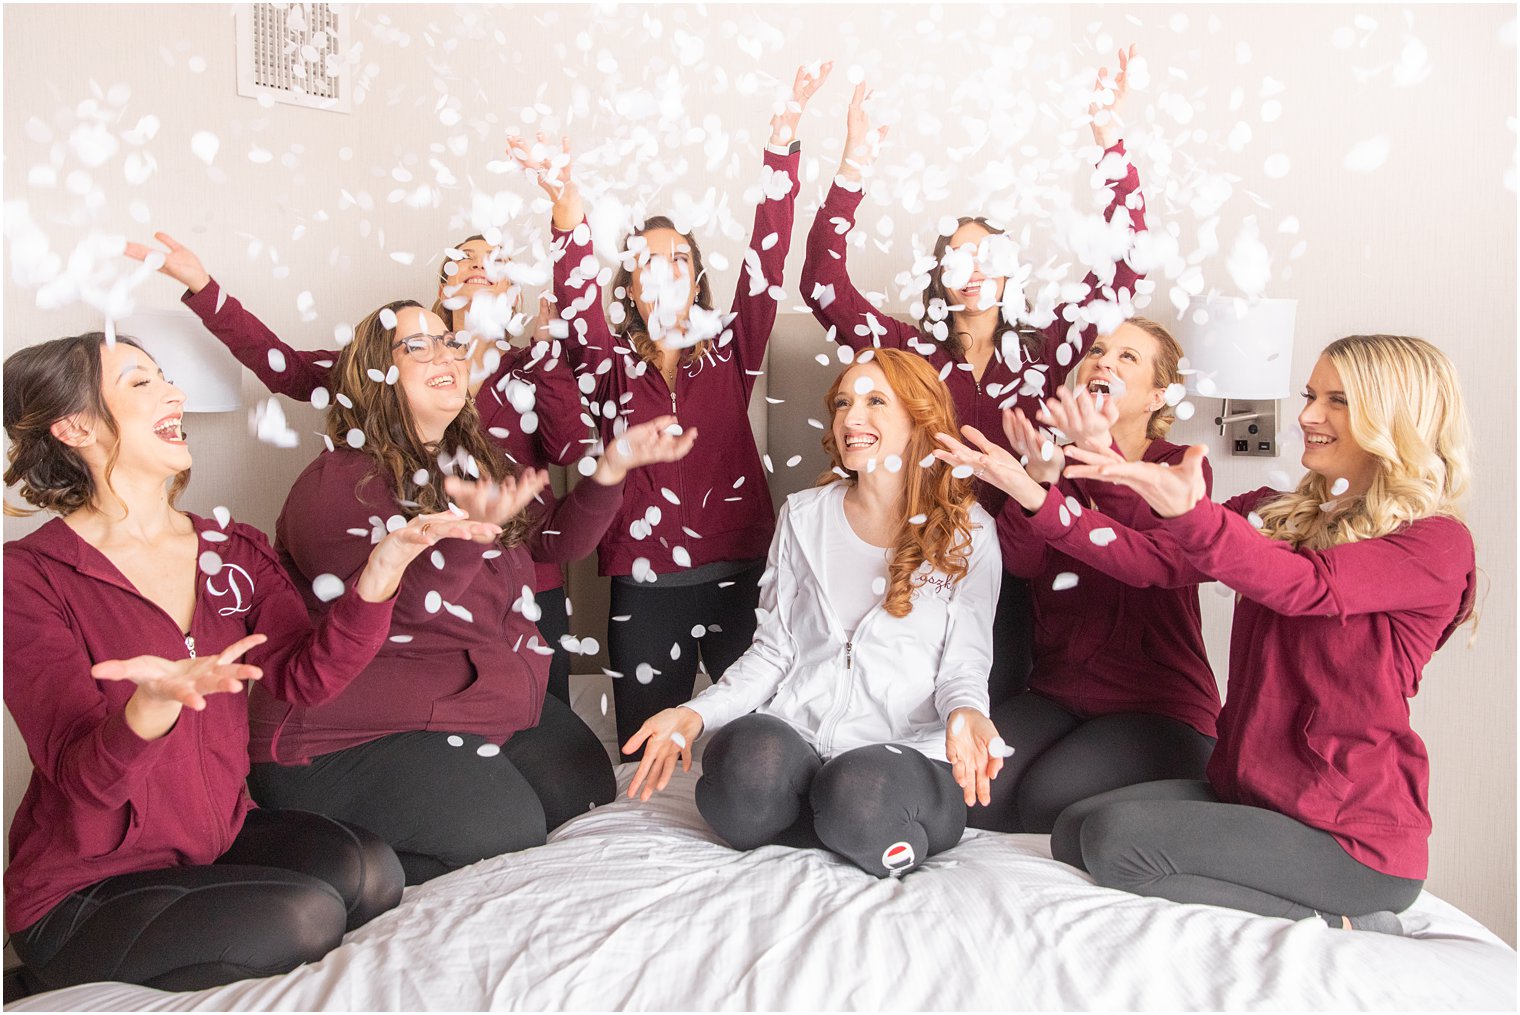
190 644
672 402
849 655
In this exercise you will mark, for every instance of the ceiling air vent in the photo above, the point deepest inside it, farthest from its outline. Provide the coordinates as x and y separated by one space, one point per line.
295 53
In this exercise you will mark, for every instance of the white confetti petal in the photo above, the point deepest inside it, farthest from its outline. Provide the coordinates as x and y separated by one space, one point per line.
1063 581
1340 486
488 750
456 740
1103 536
327 587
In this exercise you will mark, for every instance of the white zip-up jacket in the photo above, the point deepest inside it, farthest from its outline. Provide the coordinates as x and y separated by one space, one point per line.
896 681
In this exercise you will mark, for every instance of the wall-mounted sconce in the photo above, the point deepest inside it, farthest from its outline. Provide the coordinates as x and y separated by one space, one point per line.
190 356
1241 352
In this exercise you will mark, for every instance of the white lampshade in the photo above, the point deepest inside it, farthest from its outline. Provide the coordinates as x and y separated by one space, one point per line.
1239 349
190 356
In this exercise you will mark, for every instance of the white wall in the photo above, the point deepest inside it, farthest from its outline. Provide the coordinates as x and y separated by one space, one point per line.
1425 244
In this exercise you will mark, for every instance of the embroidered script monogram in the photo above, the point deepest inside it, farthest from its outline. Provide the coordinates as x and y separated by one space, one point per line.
938 582
239 587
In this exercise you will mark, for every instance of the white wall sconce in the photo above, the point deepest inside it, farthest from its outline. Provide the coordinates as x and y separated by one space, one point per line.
1241 352
190 357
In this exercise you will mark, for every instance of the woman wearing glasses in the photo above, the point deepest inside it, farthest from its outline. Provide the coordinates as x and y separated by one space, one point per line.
526 396
445 746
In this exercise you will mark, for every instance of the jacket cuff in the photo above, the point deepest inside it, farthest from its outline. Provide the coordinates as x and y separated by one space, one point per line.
205 303
1047 521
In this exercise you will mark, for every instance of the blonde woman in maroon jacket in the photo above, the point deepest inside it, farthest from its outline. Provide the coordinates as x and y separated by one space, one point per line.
1315 802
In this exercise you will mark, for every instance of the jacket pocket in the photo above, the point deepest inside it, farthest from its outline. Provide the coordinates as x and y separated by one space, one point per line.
1281 762
1318 746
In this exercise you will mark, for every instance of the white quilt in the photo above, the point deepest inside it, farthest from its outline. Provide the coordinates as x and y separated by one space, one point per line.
637 906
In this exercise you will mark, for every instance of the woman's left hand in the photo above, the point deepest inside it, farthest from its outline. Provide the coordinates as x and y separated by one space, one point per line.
1169 491
643 444
975 753
784 123
496 503
1108 96
1081 417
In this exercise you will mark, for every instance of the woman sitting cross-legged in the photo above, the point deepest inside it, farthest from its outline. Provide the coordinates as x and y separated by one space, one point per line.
858 718
1315 802
136 854
446 745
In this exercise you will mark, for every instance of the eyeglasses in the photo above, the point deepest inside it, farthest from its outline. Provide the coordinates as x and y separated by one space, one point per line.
424 348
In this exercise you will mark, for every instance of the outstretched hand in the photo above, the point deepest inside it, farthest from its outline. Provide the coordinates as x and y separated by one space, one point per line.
1043 459
553 172
992 464
644 444
185 682
975 752
496 503
1086 419
179 262
1169 491
804 85
666 737
860 142
1108 96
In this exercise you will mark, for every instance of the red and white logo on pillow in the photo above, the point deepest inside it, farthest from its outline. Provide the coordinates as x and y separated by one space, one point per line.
897 858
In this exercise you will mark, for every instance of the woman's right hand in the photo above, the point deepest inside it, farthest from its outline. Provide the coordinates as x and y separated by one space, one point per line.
389 559
666 737
860 141
179 263
991 464
554 174
1029 442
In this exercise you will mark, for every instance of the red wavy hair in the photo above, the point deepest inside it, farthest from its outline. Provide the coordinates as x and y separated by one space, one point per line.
943 539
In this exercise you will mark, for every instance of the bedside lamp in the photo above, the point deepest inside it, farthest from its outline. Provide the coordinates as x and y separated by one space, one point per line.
1241 352
191 357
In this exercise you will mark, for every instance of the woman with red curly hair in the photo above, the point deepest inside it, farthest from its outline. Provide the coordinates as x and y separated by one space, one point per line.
858 718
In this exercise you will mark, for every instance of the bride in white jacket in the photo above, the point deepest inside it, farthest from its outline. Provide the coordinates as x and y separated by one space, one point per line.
858 718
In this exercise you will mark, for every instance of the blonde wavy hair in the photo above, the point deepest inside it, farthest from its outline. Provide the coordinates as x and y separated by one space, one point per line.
943 540
1406 410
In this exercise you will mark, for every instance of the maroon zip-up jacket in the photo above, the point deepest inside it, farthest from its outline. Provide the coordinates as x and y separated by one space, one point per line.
1104 646
838 305
714 504
1326 649
561 430
102 801
461 656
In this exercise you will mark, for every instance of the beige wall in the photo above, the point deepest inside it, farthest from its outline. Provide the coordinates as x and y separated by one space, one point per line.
1424 245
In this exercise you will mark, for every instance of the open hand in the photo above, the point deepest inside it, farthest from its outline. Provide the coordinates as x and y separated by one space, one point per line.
1107 128
784 123
496 503
666 736
1169 491
179 262
991 464
969 740
187 682
1043 459
860 142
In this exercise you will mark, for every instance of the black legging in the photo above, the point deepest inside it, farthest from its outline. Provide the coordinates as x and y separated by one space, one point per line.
443 806
1012 640
1060 758
553 625
662 619
884 808
1176 840
283 894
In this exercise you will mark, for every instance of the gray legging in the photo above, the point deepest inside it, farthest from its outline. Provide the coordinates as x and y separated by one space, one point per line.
1060 757
884 808
1176 840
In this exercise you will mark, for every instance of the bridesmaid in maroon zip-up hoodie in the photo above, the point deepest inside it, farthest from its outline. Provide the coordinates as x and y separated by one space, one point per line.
687 549
989 359
1315 802
1121 691
123 621
553 431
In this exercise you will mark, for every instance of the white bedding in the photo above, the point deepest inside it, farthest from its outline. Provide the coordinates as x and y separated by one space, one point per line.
637 906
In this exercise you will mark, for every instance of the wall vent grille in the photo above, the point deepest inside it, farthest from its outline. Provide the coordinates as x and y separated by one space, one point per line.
295 53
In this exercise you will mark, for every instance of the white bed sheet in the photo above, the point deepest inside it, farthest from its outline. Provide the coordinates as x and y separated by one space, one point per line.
637 906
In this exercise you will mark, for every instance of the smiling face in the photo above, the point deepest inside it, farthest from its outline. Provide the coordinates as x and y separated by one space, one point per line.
869 419
963 276
482 269
1329 449
435 392
149 415
664 282
1122 366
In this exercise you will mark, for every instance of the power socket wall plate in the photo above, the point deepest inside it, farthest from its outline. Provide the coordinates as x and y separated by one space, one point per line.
1253 437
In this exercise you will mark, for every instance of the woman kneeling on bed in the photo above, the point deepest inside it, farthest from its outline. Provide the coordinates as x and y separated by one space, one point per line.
1315 797
130 625
867 680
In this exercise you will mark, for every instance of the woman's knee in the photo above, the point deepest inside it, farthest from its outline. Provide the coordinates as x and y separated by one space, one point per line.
1121 848
886 808
757 753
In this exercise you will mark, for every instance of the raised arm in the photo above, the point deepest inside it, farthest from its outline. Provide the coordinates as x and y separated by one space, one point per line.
826 286
561 427
284 370
762 274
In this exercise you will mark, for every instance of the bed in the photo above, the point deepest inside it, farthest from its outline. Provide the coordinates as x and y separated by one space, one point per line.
638 906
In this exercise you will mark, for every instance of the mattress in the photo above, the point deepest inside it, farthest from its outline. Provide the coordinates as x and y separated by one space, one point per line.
638 906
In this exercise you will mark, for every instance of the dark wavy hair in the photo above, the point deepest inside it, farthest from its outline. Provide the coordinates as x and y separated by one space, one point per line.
43 384
391 437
